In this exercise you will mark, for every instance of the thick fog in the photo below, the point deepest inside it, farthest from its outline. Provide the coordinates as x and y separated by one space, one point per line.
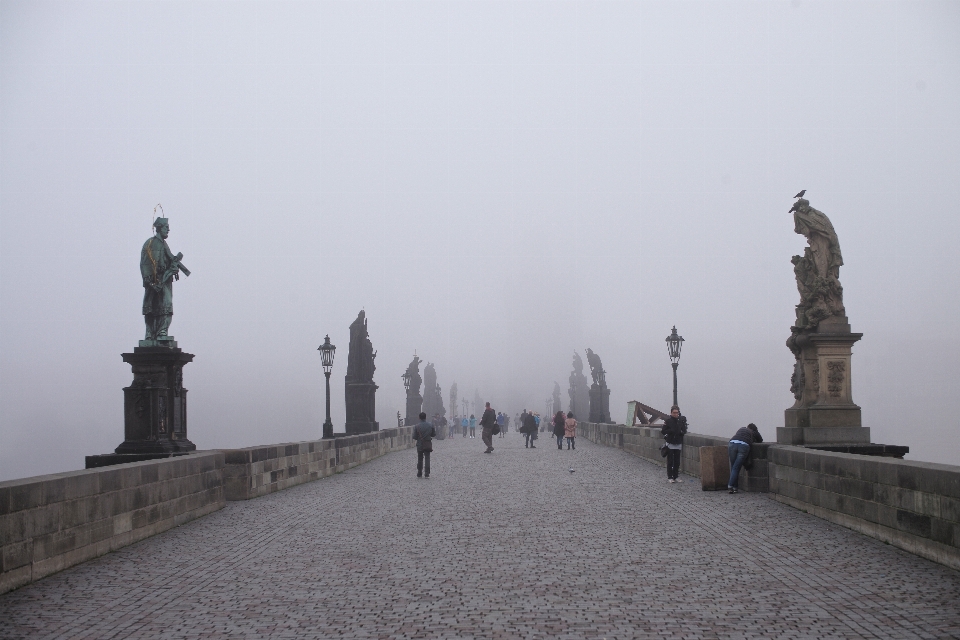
496 184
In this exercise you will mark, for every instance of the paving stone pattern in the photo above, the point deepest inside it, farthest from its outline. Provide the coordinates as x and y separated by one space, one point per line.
506 545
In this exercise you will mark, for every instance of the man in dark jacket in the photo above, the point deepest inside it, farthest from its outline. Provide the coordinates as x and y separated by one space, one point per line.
487 422
424 433
529 429
673 430
739 451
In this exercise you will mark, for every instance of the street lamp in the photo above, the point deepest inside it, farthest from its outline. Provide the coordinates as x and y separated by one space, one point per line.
327 352
674 344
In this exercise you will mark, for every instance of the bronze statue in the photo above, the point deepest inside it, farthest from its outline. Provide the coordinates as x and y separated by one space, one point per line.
159 268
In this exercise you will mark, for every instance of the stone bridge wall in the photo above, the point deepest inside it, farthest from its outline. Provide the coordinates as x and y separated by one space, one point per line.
49 523
257 471
912 505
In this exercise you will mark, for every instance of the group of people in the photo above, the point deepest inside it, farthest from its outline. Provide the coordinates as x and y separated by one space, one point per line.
565 427
491 423
468 426
738 449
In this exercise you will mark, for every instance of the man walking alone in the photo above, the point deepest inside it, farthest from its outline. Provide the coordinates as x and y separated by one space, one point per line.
487 420
424 433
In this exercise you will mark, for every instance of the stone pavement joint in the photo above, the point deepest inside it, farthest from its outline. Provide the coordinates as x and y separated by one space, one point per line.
508 545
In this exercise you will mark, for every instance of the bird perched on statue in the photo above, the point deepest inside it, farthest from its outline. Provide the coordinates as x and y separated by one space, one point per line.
800 195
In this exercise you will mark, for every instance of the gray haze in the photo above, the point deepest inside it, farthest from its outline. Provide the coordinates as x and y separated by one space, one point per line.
496 184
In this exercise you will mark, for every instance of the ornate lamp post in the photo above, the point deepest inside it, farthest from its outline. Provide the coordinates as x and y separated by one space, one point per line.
674 344
327 352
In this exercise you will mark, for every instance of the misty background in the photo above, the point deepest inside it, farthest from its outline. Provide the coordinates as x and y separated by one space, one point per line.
497 184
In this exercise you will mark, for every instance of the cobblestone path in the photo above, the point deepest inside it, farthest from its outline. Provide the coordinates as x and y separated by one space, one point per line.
507 545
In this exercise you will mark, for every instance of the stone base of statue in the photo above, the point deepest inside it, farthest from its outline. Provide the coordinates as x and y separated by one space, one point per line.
824 413
361 407
599 404
155 403
414 407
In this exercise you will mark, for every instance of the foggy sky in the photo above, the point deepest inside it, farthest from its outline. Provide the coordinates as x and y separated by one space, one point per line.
496 184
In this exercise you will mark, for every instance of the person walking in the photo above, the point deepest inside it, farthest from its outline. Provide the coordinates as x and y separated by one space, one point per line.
673 431
473 426
487 421
558 428
570 431
463 424
501 423
529 429
424 433
739 451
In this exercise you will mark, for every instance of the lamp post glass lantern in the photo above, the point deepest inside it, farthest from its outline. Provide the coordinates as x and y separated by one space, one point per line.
327 352
674 344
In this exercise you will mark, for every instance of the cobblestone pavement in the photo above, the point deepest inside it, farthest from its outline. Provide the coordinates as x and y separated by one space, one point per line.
507 545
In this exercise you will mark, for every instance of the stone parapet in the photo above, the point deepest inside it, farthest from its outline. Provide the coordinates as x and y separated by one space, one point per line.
257 471
911 505
49 523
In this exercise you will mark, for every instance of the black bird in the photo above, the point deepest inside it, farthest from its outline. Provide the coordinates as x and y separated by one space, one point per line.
794 207
800 195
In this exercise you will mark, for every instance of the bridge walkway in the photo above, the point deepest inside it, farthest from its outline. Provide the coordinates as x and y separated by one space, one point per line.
506 545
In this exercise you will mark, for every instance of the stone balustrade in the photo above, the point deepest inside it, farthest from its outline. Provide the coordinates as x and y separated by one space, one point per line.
912 505
257 471
49 523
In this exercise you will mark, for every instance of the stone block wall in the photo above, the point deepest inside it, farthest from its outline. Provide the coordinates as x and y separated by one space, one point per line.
912 505
257 471
49 523
644 442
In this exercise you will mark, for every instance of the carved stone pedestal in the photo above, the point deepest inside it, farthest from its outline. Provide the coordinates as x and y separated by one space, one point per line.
361 407
824 413
599 404
155 404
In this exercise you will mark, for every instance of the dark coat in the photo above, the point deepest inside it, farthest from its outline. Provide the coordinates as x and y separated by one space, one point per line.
424 433
529 424
489 418
559 425
747 435
674 429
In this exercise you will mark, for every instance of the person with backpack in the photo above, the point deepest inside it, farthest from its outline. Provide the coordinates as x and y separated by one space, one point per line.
673 430
739 451
424 433
529 429
487 422
558 428
570 431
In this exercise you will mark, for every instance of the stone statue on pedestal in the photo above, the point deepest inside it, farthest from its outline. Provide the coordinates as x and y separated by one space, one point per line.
359 389
155 403
414 399
579 390
821 341
599 394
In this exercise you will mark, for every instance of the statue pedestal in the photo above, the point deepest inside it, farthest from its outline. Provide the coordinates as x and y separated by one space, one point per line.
361 405
825 413
155 404
599 404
